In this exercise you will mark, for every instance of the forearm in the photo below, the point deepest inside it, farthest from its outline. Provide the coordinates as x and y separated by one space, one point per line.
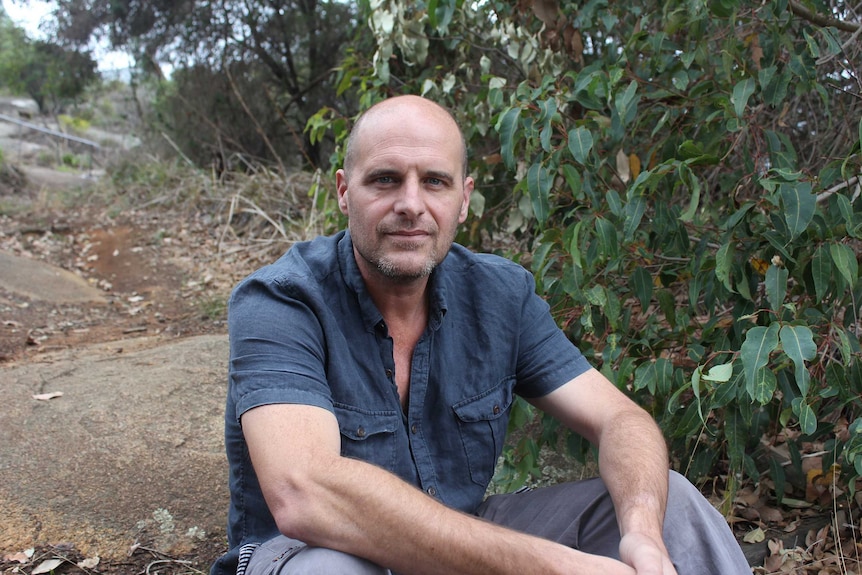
636 472
633 459
364 510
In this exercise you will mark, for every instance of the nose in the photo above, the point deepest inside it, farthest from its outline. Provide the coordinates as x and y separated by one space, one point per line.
410 201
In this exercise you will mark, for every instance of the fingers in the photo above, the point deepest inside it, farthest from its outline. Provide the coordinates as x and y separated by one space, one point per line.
645 555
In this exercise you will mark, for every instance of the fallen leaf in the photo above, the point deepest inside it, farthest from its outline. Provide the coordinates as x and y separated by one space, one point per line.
771 514
89 563
755 536
46 566
20 557
48 396
795 503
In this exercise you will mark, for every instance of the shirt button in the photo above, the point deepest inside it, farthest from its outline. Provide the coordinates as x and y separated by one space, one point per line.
414 428
360 432
389 373
432 491
496 410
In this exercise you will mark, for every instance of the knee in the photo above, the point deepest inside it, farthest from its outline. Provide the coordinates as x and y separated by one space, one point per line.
680 488
323 561
685 503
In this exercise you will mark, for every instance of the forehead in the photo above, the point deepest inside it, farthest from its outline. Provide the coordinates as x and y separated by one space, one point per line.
407 136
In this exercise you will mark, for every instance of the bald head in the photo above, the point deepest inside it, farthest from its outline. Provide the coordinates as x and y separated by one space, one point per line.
403 106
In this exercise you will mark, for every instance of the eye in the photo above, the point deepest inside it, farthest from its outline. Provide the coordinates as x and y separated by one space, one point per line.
435 181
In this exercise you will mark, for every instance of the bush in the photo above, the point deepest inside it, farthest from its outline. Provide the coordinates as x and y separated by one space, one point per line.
683 182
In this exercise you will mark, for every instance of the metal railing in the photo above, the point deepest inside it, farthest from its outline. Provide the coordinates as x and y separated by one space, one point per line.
50 132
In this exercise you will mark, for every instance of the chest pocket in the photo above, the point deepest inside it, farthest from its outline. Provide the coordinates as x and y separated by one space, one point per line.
368 435
482 422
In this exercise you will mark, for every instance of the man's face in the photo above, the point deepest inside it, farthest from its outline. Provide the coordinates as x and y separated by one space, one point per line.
406 193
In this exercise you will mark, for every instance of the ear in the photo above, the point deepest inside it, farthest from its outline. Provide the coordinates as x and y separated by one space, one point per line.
465 201
341 189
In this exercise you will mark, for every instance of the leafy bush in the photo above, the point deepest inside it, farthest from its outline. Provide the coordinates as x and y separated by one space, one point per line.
52 75
683 180
76 124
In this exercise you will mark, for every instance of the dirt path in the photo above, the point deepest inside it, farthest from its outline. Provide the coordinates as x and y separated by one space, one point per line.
112 368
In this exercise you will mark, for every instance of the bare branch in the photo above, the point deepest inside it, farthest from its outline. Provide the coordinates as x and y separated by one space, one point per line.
822 20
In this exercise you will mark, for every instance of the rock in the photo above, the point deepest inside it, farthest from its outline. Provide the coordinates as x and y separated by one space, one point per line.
131 453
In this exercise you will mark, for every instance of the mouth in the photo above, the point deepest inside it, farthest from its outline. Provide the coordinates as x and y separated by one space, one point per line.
406 233
409 240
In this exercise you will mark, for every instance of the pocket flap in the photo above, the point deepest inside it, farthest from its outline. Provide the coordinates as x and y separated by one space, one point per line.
359 424
486 406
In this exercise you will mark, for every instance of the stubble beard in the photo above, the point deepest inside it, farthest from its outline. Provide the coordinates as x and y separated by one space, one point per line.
391 269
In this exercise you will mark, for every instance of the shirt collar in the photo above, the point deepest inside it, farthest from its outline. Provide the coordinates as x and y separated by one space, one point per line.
370 314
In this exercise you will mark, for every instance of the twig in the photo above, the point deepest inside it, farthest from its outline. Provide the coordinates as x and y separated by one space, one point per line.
231 210
178 561
251 117
820 19
838 187
177 149
850 42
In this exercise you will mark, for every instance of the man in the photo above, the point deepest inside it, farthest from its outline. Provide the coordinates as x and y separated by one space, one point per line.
371 377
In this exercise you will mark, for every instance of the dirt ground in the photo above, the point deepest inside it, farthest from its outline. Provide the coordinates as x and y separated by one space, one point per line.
148 291
158 274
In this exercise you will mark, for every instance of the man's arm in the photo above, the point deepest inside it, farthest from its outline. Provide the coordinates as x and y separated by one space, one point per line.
326 500
633 462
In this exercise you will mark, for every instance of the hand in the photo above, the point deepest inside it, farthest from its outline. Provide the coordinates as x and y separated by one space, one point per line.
647 556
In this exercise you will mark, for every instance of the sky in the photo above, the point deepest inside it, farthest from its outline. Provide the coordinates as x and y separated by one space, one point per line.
29 17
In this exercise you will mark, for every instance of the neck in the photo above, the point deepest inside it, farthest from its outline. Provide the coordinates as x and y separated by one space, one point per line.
400 301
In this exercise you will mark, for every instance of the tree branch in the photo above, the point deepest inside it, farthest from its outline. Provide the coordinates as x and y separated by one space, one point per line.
843 185
822 20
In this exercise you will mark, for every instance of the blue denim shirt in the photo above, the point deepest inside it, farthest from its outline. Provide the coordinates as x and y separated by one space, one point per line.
305 330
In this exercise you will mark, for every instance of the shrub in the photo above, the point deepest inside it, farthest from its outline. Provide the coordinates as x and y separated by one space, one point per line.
683 181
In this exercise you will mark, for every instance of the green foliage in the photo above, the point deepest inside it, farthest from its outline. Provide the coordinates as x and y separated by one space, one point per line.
683 182
75 124
247 75
49 73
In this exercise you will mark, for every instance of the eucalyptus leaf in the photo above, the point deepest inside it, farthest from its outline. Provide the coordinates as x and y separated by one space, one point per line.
634 213
608 239
764 387
539 182
723 264
759 342
805 415
742 91
799 206
641 284
776 286
821 271
798 344
719 373
844 347
845 262
507 126
580 144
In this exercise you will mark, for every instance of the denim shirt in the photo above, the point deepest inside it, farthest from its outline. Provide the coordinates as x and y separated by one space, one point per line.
304 330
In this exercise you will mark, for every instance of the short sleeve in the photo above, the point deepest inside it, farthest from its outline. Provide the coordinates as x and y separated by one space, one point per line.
547 359
277 352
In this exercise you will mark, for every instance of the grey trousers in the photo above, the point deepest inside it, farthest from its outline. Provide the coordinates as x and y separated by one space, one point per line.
579 515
